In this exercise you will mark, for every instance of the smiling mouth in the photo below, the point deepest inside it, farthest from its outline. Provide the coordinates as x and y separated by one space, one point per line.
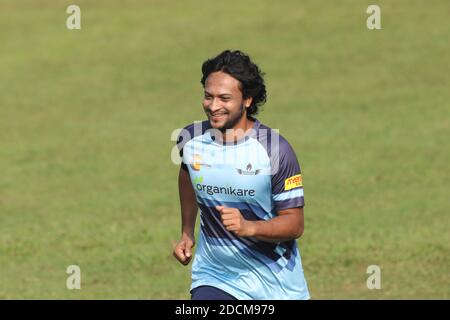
217 115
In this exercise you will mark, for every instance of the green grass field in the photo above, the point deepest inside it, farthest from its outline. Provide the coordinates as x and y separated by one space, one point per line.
86 117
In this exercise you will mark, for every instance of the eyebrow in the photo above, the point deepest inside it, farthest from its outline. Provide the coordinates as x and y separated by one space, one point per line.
222 95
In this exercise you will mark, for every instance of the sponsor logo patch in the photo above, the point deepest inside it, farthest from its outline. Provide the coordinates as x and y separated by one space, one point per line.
197 163
293 182
211 190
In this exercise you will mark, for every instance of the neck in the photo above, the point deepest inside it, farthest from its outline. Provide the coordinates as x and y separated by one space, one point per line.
239 130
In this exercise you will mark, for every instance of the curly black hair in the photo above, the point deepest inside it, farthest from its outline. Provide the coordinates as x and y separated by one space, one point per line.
238 65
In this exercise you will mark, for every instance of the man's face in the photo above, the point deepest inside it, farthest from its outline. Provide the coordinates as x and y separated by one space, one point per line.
223 102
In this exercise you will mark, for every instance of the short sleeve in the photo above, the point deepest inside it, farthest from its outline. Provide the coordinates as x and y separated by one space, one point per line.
182 139
287 186
186 134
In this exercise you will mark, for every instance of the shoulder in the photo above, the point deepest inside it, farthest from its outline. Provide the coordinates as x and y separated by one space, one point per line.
276 145
191 131
196 128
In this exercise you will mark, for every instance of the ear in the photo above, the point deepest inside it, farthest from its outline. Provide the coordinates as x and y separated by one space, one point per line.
247 102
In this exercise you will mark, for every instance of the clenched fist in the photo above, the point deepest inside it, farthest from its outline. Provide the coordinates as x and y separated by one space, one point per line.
233 221
183 249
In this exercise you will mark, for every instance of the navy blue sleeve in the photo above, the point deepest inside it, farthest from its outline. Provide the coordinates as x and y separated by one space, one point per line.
188 133
181 141
287 186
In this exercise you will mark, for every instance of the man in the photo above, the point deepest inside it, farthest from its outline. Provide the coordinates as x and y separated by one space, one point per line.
246 180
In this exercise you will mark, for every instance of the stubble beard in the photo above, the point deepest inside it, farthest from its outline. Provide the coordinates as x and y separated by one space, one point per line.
232 122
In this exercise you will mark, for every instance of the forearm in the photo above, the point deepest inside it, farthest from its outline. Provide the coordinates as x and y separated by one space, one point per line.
188 217
281 228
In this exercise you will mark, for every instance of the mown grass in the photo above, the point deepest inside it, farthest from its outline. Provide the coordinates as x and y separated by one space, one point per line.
86 118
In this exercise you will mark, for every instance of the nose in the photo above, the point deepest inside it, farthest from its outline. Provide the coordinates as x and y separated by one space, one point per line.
212 105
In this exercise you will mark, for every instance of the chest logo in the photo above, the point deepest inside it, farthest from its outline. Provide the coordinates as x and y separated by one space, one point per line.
248 171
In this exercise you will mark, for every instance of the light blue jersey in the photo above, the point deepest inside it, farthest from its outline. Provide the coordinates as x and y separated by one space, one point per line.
259 175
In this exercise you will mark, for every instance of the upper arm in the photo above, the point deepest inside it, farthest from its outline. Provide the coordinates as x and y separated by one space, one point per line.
297 218
184 181
294 211
287 186
186 191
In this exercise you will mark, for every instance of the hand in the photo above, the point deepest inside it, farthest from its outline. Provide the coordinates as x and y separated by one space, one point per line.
183 249
233 221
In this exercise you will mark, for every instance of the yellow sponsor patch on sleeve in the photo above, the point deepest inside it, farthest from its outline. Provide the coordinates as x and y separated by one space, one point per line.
293 182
